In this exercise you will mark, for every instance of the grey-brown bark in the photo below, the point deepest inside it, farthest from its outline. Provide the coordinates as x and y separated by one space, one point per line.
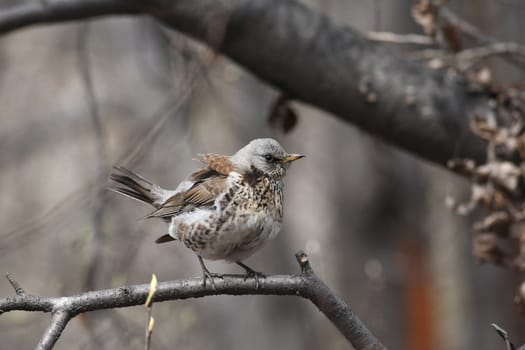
306 285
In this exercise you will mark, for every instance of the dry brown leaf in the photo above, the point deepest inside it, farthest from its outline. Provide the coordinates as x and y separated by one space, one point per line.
486 249
452 36
424 13
281 115
497 222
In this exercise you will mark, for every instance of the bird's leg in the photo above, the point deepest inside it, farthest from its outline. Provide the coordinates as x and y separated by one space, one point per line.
207 274
251 273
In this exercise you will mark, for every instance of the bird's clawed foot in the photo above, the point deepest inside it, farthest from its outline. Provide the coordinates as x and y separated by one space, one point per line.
251 273
207 274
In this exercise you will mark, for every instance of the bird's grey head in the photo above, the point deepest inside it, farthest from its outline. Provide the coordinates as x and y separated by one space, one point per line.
264 155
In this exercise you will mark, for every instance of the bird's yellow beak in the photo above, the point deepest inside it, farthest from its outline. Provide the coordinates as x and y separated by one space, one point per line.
292 157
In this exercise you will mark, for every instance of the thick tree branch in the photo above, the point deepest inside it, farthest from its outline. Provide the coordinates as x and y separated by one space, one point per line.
306 285
311 59
334 67
55 11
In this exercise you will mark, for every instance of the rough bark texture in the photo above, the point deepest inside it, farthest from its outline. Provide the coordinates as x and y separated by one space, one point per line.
306 285
335 68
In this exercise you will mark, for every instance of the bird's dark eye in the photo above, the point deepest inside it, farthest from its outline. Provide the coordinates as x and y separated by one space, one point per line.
269 158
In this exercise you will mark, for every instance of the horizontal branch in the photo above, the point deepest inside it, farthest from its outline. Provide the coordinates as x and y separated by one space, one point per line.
312 59
394 38
469 30
468 57
56 11
306 285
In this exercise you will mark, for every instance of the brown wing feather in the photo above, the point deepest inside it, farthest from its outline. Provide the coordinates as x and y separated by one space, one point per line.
218 162
208 185
172 206
205 193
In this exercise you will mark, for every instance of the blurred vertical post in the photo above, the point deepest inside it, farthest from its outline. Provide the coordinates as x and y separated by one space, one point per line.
450 255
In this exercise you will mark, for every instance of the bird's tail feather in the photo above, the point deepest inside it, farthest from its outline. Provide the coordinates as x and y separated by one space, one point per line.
135 186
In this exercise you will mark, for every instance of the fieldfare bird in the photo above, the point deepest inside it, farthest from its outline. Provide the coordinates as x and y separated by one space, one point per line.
224 211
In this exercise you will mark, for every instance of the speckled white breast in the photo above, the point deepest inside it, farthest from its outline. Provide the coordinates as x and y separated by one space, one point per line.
238 224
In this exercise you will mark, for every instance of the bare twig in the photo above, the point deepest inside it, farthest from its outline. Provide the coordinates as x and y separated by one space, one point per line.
149 307
14 237
306 285
171 105
54 331
178 96
182 93
146 134
149 330
14 283
98 189
469 57
394 38
466 27
84 64
504 335
474 33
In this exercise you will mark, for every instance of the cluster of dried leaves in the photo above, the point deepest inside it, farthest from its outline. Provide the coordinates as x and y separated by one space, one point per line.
445 33
498 185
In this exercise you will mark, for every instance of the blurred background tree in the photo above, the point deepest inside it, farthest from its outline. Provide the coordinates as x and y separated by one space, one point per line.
78 98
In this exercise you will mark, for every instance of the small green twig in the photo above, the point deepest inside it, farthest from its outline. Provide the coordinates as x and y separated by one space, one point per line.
149 306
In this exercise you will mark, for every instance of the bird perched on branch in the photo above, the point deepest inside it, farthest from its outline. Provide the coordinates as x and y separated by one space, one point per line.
224 211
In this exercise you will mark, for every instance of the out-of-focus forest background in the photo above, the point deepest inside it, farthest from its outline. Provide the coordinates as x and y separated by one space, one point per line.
372 219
